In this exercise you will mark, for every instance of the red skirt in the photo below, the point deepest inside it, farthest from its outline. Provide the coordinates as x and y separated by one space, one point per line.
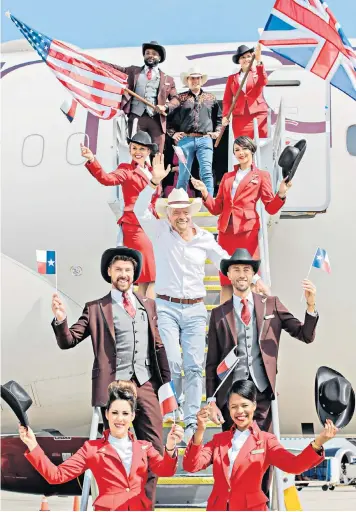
134 237
230 242
243 125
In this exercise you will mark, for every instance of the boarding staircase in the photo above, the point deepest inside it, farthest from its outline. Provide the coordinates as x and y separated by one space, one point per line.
185 490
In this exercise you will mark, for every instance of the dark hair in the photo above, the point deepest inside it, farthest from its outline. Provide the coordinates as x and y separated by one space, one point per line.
244 388
122 257
122 390
246 142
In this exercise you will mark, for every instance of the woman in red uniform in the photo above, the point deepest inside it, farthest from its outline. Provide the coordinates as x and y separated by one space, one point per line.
240 456
250 103
133 177
119 462
235 203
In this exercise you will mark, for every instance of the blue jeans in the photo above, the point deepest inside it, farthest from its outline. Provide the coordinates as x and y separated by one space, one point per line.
203 148
184 323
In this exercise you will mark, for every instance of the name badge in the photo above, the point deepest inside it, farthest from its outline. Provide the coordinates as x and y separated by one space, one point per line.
254 181
260 450
268 317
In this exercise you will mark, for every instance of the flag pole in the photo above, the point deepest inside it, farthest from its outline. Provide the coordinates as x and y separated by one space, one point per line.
56 269
235 100
301 298
185 165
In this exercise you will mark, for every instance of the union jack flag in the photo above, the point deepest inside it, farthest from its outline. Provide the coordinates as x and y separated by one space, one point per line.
94 85
307 33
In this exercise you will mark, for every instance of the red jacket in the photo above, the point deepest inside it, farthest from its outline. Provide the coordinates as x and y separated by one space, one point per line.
254 186
117 491
243 490
255 82
132 181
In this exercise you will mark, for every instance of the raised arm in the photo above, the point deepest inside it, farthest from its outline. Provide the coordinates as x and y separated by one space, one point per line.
109 179
68 337
273 203
166 464
197 456
68 470
295 328
215 205
281 458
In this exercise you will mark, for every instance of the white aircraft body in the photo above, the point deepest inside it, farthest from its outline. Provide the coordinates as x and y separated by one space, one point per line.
50 201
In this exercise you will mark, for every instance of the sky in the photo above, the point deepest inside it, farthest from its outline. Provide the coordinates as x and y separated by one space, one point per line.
113 23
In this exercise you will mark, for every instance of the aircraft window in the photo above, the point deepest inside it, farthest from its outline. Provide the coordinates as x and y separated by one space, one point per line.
283 83
73 154
32 150
351 139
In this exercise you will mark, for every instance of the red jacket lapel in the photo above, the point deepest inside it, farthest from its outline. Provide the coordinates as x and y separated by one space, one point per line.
244 182
252 442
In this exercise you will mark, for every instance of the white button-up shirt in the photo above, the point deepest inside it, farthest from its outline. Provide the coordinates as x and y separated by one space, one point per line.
238 178
238 441
123 448
180 265
155 70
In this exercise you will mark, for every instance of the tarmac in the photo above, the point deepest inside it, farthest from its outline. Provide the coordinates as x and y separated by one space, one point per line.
343 498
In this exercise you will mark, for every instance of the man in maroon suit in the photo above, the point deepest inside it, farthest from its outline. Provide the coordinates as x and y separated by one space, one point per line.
126 343
252 324
149 82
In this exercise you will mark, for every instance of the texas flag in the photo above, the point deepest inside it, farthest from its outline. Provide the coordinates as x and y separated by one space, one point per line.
228 364
321 260
46 262
167 398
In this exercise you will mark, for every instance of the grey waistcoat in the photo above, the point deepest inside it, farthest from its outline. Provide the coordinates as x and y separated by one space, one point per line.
248 350
148 89
132 347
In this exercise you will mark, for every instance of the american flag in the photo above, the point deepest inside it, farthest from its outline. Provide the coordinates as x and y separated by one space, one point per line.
307 33
94 85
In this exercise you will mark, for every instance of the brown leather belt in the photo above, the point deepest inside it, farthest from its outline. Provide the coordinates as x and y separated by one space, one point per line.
180 301
196 134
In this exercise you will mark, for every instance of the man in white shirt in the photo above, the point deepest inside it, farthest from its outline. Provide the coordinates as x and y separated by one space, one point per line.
180 249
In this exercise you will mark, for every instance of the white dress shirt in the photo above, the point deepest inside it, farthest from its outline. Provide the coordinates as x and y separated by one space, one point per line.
180 265
238 178
116 295
238 441
123 448
241 77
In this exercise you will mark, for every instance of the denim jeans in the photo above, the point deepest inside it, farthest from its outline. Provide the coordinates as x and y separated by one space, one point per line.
203 148
184 323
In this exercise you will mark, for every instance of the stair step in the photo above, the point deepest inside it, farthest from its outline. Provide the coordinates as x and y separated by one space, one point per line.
211 229
212 287
210 307
208 262
202 214
211 278
186 480
183 373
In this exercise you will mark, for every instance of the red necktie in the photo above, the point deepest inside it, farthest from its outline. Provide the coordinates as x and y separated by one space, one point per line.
245 313
128 305
149 74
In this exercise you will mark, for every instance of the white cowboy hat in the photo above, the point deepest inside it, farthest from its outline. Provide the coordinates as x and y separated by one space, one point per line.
195 71
178 198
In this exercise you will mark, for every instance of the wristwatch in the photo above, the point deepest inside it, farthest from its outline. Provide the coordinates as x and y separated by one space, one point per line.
318 449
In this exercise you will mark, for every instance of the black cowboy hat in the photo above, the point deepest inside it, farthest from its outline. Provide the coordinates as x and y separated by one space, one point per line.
334 397
109 254
240 256
17 398
143 139
242 49
290 158
155 46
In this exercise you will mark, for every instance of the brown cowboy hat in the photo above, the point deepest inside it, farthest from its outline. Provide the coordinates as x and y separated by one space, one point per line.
109 254
334 397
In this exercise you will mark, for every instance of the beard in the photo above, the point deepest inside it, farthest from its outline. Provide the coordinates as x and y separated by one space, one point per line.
241 286
121 286
151 62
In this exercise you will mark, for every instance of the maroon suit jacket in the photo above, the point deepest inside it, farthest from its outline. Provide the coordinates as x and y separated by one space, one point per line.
117 490
253 96
97 321
243 489
242 207
167 89
223 336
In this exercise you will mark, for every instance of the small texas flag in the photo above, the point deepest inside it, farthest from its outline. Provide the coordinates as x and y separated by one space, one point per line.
180 154
227 364
167 398
46 262
321 260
